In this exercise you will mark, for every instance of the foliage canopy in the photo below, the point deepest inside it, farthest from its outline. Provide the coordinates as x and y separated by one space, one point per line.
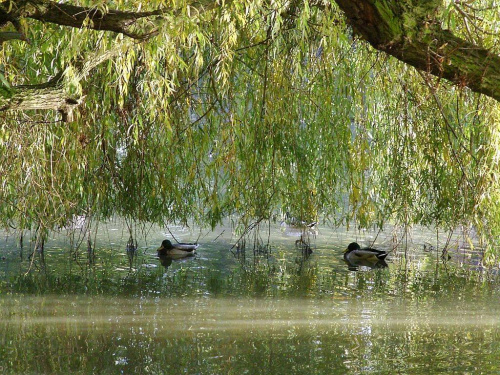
203 110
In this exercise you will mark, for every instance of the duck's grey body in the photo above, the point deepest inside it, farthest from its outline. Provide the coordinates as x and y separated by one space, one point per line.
178 249
355 256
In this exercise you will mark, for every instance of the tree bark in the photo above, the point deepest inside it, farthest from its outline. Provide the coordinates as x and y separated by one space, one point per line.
63 14
75 16
55 94
410 31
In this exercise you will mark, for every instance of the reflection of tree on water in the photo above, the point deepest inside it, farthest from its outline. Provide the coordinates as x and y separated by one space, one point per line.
304 245
131 250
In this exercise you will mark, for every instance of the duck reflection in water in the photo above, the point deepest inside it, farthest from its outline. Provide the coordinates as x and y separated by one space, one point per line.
166 260
355 257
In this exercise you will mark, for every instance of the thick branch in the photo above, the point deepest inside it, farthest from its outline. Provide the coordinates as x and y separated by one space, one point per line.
55 94
409 31
78 17
30 98
137 25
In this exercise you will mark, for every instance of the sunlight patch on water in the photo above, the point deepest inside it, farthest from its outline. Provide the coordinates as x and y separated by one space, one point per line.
199 315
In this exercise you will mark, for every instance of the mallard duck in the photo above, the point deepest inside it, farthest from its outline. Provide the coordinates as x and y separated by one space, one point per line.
367 256
177 250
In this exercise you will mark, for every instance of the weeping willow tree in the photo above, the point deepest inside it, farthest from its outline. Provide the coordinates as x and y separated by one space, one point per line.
167 112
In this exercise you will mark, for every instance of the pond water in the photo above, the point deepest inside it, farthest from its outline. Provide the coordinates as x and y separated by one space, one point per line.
268 309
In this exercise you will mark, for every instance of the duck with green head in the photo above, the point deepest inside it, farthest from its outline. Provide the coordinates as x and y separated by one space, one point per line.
355 256
177 250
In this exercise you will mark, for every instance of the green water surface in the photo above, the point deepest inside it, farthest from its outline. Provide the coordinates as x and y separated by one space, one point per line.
262 312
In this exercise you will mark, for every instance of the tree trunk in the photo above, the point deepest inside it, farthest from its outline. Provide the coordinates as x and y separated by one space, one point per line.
410 31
